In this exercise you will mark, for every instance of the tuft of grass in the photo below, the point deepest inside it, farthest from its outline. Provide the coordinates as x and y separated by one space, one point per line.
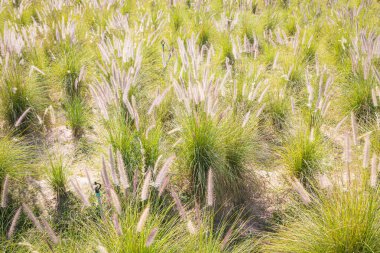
123 137
57 176
219 235
226 147
357 97
77 116
302 154
14 157
278 111
339 220
18 93
201 149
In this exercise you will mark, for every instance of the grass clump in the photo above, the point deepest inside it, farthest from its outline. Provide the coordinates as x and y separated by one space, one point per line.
57 177
14 157
21 99
340 220
302 154
77 115
358 98
223 146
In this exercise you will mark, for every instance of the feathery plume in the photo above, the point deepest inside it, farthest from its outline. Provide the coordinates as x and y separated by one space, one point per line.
122 173
354 129
115 179
89 179
298 187
15 219
197 210
190 227
105 174
163 186
293 105
324 182
115 201
106 179
22 117
246 119
143 219
366 151
373 177
339 125
210 188
80 193
102 249
49 231
226 239
163 172
135 181
151 237
145 187
32 217
4 194
347 154
261 109
179 205
312 135
374 98
116 224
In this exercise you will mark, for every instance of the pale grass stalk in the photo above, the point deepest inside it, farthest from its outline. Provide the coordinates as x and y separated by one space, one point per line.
190 227
155 168
135 181
115 201
31 216
102 249
29 246
106 179
263 94
226 239
79 191
338 126
52 115
164 171
151 237
116 224
143 219
22 117
347 155
246 119
198 215
374 98
89 179
4 194
261 109
122 173
293 105
366 150
49 231
312 137
145 187
354 127
115 179
15 219
373 176
324 182
298 187
210 188
105 174
178 204
163 186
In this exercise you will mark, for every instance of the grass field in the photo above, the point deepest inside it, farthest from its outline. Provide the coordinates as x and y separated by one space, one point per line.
190 126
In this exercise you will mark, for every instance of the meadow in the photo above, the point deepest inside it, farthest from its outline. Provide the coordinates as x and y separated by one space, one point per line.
190 126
